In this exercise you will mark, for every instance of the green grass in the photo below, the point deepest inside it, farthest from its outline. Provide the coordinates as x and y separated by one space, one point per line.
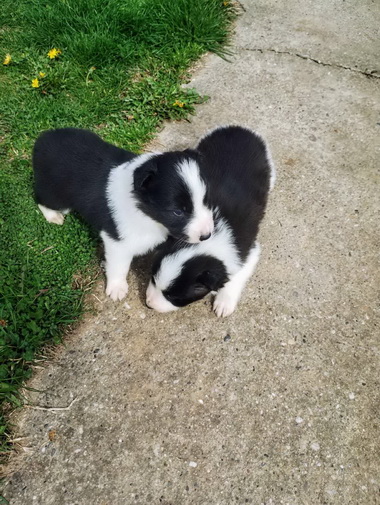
119 74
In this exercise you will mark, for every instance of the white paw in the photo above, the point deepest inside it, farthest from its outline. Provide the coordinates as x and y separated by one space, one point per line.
117 290
224 304
58 218
52 216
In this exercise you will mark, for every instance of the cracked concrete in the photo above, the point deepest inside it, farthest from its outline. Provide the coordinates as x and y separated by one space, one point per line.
373 73
278 404
340 32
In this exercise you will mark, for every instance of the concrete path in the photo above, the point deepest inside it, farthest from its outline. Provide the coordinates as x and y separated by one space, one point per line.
278 404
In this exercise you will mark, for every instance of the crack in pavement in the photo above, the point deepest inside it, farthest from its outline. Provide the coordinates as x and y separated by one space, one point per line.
368 73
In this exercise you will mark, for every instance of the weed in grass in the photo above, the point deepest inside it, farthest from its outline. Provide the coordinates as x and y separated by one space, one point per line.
114 67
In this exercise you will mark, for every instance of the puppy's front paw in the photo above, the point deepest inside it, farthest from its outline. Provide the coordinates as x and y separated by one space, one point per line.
117 290
224 304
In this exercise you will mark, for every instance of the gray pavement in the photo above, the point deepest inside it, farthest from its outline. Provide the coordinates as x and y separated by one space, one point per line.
279 403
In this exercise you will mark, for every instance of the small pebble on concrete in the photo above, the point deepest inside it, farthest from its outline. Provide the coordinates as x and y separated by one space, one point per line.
315 446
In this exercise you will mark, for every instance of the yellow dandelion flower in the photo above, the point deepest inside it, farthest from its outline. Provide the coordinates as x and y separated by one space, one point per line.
42 74
7 59
54 53
35 83
177 103
225 4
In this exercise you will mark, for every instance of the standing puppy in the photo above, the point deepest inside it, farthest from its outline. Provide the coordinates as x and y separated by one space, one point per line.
239 173
133 201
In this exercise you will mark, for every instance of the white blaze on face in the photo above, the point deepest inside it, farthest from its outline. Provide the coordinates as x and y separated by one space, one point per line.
201 223
156 300
169 270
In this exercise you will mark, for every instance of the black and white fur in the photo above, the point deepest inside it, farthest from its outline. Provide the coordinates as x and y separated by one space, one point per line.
134 201
239 172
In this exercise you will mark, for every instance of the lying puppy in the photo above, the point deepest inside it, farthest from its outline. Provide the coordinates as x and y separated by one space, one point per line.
134 201
239 172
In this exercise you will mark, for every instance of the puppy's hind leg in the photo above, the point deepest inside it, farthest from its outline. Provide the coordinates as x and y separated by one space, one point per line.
52 216
118 261
229 295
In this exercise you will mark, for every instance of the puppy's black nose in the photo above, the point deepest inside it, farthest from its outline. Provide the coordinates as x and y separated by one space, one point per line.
204 237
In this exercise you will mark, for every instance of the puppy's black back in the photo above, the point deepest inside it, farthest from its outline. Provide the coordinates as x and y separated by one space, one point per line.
237 167
71 169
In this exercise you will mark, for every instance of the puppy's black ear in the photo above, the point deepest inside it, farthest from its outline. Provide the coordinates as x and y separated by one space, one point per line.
213 279
144 175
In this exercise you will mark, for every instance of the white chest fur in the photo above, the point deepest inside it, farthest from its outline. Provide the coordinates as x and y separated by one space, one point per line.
134 227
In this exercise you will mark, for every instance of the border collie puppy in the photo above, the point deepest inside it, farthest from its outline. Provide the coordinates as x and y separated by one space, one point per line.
239 172
134 201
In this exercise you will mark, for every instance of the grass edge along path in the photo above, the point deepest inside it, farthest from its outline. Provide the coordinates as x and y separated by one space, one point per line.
115 68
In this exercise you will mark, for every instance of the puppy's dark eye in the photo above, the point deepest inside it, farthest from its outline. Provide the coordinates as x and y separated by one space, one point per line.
168 297
178 213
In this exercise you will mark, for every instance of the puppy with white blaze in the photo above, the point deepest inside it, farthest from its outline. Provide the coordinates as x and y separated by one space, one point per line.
134 201
239 172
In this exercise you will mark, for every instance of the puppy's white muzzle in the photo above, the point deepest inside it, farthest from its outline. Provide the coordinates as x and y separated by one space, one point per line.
200 226
156 300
